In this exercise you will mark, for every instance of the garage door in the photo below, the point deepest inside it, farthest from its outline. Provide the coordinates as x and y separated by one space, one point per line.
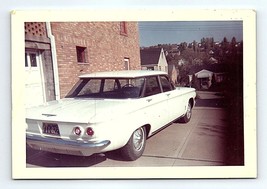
34 87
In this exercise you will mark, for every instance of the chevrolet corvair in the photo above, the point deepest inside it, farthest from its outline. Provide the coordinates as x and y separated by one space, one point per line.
108 111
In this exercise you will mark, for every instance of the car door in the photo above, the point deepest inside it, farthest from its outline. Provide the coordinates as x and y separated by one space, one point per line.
174 99
156 103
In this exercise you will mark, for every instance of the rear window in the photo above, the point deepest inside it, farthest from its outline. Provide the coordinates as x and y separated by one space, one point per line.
107 88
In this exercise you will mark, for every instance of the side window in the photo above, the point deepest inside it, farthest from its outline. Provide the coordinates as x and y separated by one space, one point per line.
152 86
166 85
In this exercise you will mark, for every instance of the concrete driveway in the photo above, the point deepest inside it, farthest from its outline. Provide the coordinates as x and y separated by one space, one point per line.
201 142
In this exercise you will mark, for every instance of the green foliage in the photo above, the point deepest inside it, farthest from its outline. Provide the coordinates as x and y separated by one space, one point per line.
186 56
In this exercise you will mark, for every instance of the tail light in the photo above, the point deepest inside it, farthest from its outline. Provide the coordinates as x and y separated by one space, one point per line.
90 131
77 131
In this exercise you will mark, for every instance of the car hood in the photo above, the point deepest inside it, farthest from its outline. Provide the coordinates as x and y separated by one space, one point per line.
81 110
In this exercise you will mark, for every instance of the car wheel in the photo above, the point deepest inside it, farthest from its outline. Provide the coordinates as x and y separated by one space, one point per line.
135 146
186 118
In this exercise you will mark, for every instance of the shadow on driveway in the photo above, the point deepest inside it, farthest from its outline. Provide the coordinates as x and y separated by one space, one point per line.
211 99
47 159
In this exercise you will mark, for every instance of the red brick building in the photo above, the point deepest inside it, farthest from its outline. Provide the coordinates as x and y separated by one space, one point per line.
61 51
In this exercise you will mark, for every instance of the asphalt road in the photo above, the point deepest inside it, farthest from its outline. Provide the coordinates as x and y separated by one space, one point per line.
201 142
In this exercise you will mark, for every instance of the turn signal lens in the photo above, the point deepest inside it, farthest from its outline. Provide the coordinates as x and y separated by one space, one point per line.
90 131
77 131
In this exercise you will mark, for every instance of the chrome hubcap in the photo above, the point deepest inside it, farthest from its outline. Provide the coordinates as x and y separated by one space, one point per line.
188 112
138 139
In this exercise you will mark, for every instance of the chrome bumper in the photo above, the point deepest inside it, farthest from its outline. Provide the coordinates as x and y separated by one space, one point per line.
72 147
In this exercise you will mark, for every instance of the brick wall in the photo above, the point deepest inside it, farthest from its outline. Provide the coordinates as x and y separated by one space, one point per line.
105 47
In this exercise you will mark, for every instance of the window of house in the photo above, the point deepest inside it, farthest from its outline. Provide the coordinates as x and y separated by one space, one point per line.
127 63
26 61
123 28
31 60
81 54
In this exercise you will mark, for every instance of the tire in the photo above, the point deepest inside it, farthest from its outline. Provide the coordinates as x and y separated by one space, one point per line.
186 118
135 146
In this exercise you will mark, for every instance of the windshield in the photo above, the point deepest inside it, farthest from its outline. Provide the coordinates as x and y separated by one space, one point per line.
114 88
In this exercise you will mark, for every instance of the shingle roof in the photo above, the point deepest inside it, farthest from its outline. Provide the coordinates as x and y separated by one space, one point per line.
150 56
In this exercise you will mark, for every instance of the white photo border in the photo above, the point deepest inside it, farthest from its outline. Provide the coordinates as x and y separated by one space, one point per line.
19 169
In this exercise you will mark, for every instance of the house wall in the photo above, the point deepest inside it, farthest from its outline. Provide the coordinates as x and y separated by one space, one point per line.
106 49
162 64
173 74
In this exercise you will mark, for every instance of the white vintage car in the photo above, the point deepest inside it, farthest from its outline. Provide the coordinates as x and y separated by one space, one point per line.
108 111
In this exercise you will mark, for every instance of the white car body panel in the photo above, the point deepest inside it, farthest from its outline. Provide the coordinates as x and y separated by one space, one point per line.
113 120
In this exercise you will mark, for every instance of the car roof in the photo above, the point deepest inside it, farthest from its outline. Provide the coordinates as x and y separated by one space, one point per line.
123 74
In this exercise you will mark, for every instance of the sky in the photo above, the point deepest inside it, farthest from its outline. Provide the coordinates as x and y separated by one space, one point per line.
153 33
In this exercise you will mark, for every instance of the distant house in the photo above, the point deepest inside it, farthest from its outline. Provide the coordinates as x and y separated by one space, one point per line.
173 73
205 77
209 75
153 59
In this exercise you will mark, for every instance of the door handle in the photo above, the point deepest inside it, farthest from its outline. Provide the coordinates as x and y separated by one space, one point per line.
168 94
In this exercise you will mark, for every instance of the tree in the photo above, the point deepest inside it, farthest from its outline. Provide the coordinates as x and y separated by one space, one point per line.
233 42
183 46
207 44
212 42
195 46
225 44
233 47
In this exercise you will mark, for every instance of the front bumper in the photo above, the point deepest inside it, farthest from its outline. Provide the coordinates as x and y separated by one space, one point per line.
72 147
